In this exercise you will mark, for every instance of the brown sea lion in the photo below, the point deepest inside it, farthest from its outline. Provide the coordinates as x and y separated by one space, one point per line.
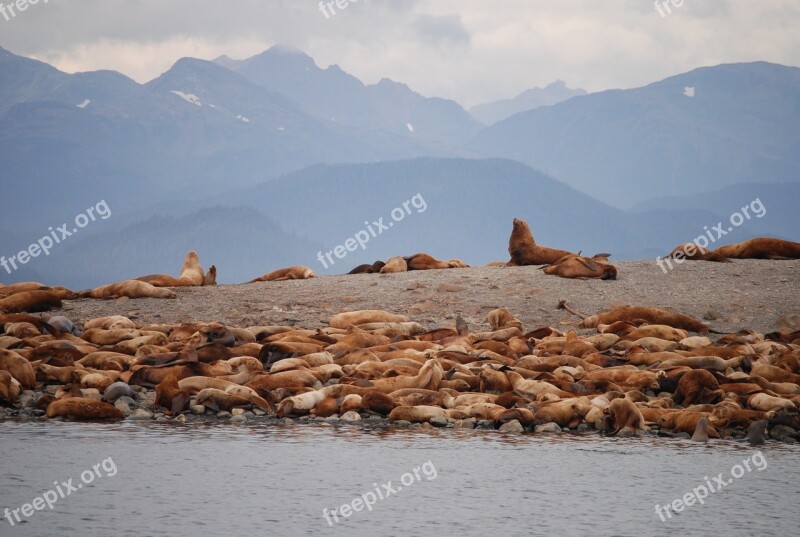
576 266
650 315
211 276
524 250
82 408
428 262
761 248
10 389
170 396
130 289
191 274
30 302
368 269
289 273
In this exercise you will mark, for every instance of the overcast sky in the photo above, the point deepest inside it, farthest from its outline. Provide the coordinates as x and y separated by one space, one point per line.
468 50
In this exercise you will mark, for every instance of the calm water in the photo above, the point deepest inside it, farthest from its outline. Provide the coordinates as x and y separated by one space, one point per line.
276 480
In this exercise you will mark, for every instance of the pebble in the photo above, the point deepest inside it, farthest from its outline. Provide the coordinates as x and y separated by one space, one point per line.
197 410
239 418
351 415
223 414
439 421
237 411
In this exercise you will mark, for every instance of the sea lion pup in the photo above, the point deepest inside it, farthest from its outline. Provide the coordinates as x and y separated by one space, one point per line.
343 320
650 315
368 269
289 273
395 264
524 250
756 432
83 408
211 276
693 252
30 302
130 289
576 266
761 248
170 396
701 431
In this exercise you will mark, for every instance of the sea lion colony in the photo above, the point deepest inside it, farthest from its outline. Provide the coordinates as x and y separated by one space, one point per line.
644 369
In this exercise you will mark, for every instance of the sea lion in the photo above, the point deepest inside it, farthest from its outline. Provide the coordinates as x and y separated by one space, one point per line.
701 431
170 396
10 389
109 323
395 264
524 250
627 417
211 276
428 262
761 248
343 320
650 315
82 408
576 266
756 433
30 302
368 269
693 252
64 325
289 273
697 386
130 289
19 368
191 274
502 318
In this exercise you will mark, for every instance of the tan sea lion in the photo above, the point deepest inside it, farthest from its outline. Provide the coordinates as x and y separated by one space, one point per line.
343 320
211 276
19 368
289 273
191 274
130 289
524 250
10 389
30 302
395 264
170 396
428 262
651 315
693 252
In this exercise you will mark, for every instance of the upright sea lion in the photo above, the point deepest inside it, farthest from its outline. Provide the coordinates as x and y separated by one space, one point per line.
30 302
130 289
289 273
211 276
524 250
761 248
701 431
756 432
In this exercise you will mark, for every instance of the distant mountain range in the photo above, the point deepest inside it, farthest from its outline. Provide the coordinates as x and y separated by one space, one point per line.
491 113
264 162
700 131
